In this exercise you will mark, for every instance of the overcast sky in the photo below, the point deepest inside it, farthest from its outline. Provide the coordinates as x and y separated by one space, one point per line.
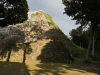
55 9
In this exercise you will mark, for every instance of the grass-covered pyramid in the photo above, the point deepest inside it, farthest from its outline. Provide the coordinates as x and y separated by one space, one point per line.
43 41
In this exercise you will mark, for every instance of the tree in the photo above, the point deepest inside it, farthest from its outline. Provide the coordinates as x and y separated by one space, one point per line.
83 39
86 12
73 34
13 11
79 31
97 42
86 36
79 37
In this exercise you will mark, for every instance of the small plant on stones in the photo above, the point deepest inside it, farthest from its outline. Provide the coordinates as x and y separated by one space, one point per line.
37 13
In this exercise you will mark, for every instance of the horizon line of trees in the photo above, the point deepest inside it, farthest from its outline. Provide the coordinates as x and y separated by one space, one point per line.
81 38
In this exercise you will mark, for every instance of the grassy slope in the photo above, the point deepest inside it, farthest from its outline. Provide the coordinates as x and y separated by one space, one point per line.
75 50
73 47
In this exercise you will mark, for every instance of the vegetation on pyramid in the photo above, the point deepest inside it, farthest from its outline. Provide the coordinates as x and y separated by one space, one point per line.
39 41
61 49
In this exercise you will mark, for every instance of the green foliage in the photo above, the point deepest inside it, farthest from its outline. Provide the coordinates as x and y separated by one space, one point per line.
37 13
75 50
34 14
83 11
56 52
43 22
86 12
85 38
61 46
16 14
97 36
97 40
79 37
50 19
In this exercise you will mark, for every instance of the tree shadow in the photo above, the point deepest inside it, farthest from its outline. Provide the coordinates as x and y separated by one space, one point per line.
7 45
70 69
51 52
13 68
27 50
55 50
49 69
55 54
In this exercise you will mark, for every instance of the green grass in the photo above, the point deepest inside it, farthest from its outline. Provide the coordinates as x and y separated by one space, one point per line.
36 13
50 19
77 74
37 68
72 47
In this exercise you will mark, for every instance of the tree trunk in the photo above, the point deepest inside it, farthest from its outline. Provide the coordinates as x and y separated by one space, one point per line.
99 47
94 39
87 55
93 45
9 55
24 55
80 44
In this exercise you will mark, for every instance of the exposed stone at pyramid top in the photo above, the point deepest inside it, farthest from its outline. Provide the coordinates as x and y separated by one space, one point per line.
40 17
32 12
37 25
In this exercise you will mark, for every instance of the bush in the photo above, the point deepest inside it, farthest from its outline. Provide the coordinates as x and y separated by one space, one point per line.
37 13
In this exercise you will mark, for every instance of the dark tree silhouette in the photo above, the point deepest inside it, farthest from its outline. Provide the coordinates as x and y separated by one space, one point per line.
13 11
86 12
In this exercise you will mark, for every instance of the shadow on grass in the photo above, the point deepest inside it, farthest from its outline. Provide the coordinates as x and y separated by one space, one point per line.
80 68
13 68
49 69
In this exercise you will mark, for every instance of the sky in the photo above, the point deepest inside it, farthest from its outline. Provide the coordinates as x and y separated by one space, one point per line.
55 9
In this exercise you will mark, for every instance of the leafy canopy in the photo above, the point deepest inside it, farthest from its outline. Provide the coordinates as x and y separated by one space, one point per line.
13 11
84 11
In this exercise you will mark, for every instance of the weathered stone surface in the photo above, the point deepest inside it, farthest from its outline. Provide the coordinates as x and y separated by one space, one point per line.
37 31
25 32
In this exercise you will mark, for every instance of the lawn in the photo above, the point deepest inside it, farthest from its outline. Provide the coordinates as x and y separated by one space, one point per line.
38 68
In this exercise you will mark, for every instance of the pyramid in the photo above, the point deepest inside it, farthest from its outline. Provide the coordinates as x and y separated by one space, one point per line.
37 39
